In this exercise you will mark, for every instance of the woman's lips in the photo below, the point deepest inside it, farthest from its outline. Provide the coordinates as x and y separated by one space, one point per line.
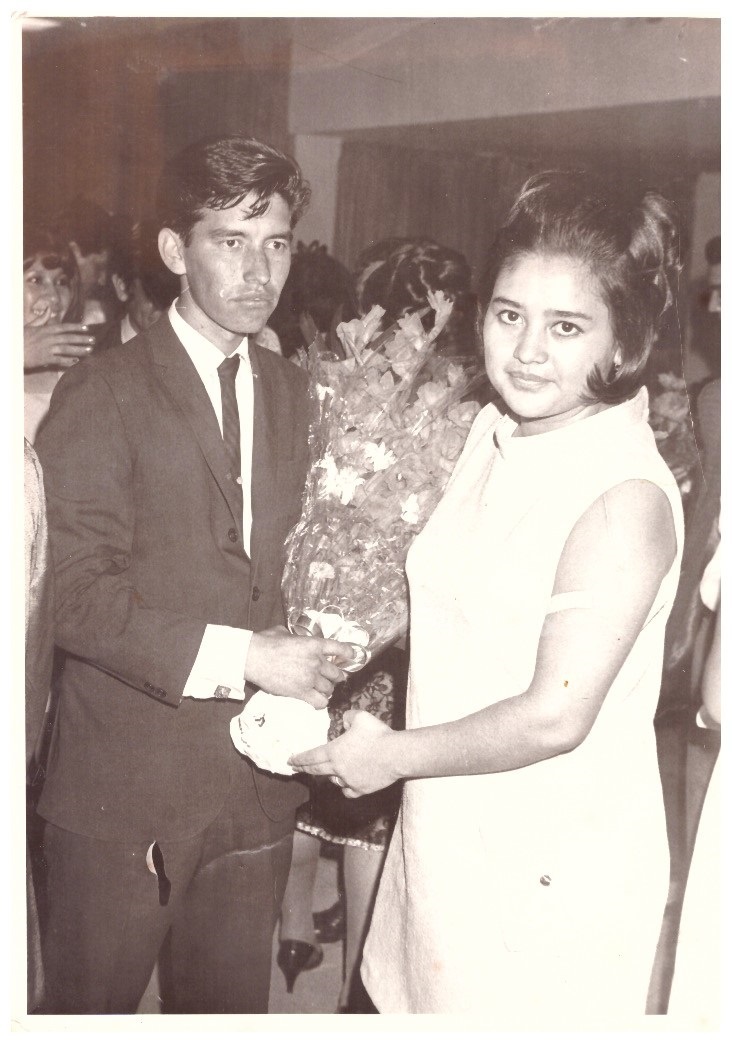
527 381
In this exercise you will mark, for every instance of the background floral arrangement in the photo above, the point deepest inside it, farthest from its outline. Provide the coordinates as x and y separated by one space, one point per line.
390 418
670 419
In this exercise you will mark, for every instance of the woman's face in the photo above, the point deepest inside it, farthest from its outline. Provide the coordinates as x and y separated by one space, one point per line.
545 330
46 294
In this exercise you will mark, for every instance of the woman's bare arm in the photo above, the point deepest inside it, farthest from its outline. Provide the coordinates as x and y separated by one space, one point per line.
616 556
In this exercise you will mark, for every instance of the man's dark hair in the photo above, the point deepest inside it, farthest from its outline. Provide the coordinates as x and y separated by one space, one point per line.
219 173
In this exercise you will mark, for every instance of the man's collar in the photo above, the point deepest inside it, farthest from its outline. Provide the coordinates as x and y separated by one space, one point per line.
126 330
200 349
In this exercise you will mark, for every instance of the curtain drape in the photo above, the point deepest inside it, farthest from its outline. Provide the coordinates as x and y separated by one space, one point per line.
456 198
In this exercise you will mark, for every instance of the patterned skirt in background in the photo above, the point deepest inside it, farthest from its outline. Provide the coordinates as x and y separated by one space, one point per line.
362 821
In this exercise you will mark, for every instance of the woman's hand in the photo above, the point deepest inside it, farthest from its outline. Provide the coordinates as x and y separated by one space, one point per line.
55 345
358 761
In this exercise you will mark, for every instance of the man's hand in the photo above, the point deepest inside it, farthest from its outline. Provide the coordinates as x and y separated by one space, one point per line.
299 667
57 344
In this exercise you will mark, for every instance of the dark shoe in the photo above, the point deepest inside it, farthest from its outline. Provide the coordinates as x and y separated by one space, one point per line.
294 956
330 924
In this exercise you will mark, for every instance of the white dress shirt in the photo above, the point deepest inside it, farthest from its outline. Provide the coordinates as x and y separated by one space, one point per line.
126 330
223 653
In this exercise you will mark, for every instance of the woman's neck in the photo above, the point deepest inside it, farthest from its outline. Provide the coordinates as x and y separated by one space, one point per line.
542 425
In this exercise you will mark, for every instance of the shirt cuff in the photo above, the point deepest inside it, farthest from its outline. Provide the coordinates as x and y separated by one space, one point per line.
218 672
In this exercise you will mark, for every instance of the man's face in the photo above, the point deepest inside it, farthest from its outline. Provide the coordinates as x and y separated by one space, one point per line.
233 269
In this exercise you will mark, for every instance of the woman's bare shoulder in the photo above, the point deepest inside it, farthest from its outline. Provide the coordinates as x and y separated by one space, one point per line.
628 531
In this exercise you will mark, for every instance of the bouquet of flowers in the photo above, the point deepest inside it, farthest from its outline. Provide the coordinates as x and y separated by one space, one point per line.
390 418
670 419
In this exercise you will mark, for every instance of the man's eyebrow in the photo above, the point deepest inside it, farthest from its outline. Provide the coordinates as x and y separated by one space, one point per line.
225 232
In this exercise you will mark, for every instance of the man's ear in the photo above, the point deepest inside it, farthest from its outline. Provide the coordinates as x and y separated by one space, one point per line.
120 288
170 245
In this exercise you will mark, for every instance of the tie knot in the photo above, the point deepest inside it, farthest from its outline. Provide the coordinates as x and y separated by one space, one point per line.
229 367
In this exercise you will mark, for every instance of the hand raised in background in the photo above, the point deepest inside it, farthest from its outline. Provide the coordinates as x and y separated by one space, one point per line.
56 345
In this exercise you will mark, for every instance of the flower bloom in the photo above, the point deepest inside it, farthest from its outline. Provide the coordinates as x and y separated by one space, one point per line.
378 456
321 570
410 510
340 483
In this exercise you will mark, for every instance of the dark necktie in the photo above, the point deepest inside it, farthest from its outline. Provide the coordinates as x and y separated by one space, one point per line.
230 416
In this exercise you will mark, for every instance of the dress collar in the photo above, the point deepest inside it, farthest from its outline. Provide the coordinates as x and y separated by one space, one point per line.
598 425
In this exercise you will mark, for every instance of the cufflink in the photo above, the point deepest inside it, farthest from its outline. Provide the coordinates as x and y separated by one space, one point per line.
222 692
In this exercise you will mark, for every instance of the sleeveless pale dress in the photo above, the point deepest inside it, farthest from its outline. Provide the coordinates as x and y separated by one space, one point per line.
535 893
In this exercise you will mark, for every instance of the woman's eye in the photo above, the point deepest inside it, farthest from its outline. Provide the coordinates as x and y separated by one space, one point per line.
511 318
62 282
32 279
567 329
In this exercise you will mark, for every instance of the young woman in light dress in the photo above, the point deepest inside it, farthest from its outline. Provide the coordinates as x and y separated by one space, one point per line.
528 870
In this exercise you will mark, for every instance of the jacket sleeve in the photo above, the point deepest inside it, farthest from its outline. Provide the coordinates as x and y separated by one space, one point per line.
88 463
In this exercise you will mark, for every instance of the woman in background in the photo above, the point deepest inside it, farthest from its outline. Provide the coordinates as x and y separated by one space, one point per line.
528 870
397 274
53 336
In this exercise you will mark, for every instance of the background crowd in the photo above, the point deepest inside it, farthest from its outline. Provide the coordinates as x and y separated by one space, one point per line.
92 282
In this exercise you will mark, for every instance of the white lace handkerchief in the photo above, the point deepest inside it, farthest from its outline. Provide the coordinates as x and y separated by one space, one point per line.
271 728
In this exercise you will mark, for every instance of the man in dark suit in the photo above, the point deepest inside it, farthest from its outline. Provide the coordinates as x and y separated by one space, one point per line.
172 482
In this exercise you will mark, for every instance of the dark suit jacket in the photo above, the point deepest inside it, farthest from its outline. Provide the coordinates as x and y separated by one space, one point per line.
148 550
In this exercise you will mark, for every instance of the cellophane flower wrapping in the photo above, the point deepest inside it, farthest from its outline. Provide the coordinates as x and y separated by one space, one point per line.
671 421
389 420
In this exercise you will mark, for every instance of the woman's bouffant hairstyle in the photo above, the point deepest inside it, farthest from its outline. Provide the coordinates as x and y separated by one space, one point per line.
630 246
41 244
318 286
219 173
397 274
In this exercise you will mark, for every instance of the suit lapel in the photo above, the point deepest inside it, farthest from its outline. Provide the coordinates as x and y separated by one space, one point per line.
265 442
184 385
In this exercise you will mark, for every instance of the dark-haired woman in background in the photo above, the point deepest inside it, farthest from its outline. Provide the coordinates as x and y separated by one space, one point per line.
53 336
528 870
397 273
